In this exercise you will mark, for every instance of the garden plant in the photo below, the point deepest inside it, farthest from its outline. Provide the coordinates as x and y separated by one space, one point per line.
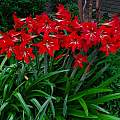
51 67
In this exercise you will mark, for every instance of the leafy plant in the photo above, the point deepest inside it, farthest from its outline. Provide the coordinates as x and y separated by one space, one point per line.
68 86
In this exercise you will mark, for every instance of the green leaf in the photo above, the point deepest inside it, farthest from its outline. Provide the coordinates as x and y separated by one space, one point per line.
36 103
35 93
5 91
45 76
3 106
83 104
107 98
23 104
88 92
43 108
11 117
107 117
65 105
58 117
109 81
93 106
81 114
3 62
97 75
52 108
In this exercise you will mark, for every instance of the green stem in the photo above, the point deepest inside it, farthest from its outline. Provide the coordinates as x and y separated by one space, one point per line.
45 63
3 62
73 72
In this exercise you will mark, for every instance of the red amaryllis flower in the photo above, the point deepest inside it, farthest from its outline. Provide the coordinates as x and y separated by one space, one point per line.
23 53
13 33
76 24
108 45
111 27
79 59
18 23
6 45
25 38
63 25
63 13
32 25
73 41
45 24
48 45
90 33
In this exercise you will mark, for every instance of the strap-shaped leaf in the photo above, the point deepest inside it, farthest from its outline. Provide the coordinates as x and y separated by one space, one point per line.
23 104
88 92
107 98
84 105
81 114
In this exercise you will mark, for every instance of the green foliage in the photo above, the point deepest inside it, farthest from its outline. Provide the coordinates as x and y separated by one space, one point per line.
26 92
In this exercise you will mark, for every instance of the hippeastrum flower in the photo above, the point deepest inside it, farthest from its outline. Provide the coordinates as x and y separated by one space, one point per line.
25 38
73 41
75 23
23 53
90 33
63 25
6 45
79 59
32 25
45 24
18 23
62 13
108 45
48 45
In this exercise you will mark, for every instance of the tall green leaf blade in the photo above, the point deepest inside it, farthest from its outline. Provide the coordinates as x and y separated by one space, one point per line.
96 107
84 105
98 74
3 106
43 107
36 103
11 117
81 114
52 108
107 117
23 104
39 93
5 91
107 98
65 105
45 76
88 92
109 81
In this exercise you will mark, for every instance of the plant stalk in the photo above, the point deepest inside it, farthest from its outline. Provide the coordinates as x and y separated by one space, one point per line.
45 63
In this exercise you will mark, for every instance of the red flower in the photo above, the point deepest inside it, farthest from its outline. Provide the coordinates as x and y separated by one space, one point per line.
76 24
45 24
25 38
73 41
48 45
18 23
6 45
32 25
23 53
108 45
90 33
79 59
63 13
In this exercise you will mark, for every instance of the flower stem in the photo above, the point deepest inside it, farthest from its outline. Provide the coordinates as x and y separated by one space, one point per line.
3 62
73 72
45 63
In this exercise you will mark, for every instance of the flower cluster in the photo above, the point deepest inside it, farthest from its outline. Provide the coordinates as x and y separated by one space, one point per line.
60 32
